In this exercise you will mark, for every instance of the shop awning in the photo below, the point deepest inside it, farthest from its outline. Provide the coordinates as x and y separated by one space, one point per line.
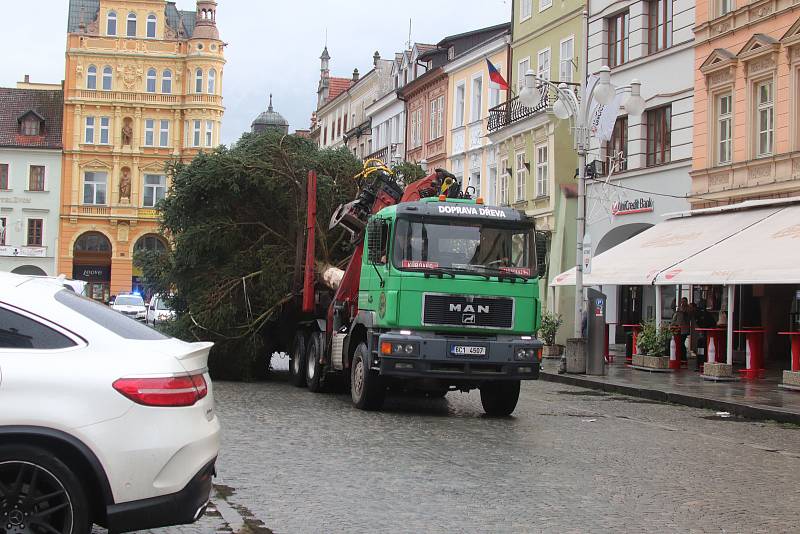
752 242
767 252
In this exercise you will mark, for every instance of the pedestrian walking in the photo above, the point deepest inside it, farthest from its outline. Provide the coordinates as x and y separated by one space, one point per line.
682 320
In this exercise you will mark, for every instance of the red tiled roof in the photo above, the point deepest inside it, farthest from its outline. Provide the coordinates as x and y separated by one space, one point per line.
14 103
338 86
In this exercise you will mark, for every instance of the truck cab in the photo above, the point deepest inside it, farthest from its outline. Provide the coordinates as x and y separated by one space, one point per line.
448 295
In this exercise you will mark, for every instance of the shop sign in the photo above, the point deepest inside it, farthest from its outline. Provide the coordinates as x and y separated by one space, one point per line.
91 272
24 252
629 207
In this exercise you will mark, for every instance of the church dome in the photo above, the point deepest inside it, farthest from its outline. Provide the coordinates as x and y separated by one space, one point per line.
270 120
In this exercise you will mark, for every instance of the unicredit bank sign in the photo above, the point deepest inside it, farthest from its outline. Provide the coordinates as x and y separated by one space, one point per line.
629 207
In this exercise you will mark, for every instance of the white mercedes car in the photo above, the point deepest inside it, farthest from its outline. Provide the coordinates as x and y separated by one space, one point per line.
102 419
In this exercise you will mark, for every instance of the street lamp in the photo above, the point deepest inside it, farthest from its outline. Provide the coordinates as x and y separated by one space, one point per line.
569 105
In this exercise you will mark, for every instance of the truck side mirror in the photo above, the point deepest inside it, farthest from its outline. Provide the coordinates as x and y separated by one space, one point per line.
377 241
542 246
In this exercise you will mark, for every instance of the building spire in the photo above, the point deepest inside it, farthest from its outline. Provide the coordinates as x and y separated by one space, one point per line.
270 102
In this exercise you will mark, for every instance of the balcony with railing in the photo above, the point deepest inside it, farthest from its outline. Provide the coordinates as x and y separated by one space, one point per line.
381 154
142 98
512 111
122 211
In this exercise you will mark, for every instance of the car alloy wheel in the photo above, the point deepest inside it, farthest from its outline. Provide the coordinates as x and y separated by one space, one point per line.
33 500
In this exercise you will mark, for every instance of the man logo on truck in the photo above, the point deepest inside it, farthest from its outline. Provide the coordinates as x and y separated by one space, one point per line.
469 308
467 318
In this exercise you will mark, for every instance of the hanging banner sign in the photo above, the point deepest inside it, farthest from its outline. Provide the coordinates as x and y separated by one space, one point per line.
629 207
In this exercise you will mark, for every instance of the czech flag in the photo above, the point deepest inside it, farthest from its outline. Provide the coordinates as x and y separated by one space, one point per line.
496 77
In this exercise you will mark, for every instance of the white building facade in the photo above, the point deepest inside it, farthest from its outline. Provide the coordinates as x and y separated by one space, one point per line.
388 113
30 179
648 157
473 157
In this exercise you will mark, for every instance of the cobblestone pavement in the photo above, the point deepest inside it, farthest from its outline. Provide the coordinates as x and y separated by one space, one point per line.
570 460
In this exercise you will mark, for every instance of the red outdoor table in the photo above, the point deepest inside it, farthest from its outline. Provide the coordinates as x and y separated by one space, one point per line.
716 340
676 358
795 337
754 340
636 329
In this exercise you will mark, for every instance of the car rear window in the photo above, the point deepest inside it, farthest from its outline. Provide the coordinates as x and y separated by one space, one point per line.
107 318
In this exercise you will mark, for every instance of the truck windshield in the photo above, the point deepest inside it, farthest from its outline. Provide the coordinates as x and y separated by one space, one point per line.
480 246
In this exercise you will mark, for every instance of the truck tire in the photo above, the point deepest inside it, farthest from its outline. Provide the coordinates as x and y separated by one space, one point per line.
367 390
500 398
297 360
313 370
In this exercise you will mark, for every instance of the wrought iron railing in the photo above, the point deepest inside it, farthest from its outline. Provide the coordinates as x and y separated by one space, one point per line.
512 110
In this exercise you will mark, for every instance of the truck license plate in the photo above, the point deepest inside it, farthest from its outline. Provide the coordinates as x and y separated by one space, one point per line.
468 350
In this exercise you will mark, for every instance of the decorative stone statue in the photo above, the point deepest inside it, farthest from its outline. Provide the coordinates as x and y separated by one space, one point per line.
127 133
125 185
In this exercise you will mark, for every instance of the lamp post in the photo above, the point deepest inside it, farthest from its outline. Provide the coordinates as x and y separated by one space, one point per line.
569 106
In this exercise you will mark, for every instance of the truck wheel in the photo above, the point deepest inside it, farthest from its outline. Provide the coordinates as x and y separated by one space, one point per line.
366 387
313 368
500 398
297 360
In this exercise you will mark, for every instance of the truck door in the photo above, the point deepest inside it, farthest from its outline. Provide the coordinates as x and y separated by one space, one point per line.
374 269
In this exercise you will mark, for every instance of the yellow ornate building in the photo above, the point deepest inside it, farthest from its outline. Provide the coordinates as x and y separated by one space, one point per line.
143 85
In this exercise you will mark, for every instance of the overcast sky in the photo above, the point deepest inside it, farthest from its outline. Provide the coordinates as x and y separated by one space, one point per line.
274 46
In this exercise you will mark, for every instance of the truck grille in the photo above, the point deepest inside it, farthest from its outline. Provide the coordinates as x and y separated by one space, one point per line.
468 312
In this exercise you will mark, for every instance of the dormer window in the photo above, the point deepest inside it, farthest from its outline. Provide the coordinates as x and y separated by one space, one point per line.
30 127
31 124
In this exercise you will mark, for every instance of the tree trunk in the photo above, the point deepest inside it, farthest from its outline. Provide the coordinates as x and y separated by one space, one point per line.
329 275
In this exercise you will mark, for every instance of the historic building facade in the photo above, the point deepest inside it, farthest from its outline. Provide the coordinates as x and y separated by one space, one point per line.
652 41
387 114
472 156
746 105
427 97
30 177
329 124
143 86
536 157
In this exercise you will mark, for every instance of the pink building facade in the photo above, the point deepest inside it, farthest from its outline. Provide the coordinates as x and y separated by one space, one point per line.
746 102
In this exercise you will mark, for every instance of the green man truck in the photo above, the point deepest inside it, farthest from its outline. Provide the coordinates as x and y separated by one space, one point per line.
441 294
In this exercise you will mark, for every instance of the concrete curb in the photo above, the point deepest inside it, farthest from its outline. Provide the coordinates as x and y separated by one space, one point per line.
750 411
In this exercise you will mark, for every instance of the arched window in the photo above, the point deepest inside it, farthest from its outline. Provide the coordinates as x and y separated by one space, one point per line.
107 78
91 77
151 80
198 81
92 242
150 242
212 81
166 82
111 23
151 26
131 24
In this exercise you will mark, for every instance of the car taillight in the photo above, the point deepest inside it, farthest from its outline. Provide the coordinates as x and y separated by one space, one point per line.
173 391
